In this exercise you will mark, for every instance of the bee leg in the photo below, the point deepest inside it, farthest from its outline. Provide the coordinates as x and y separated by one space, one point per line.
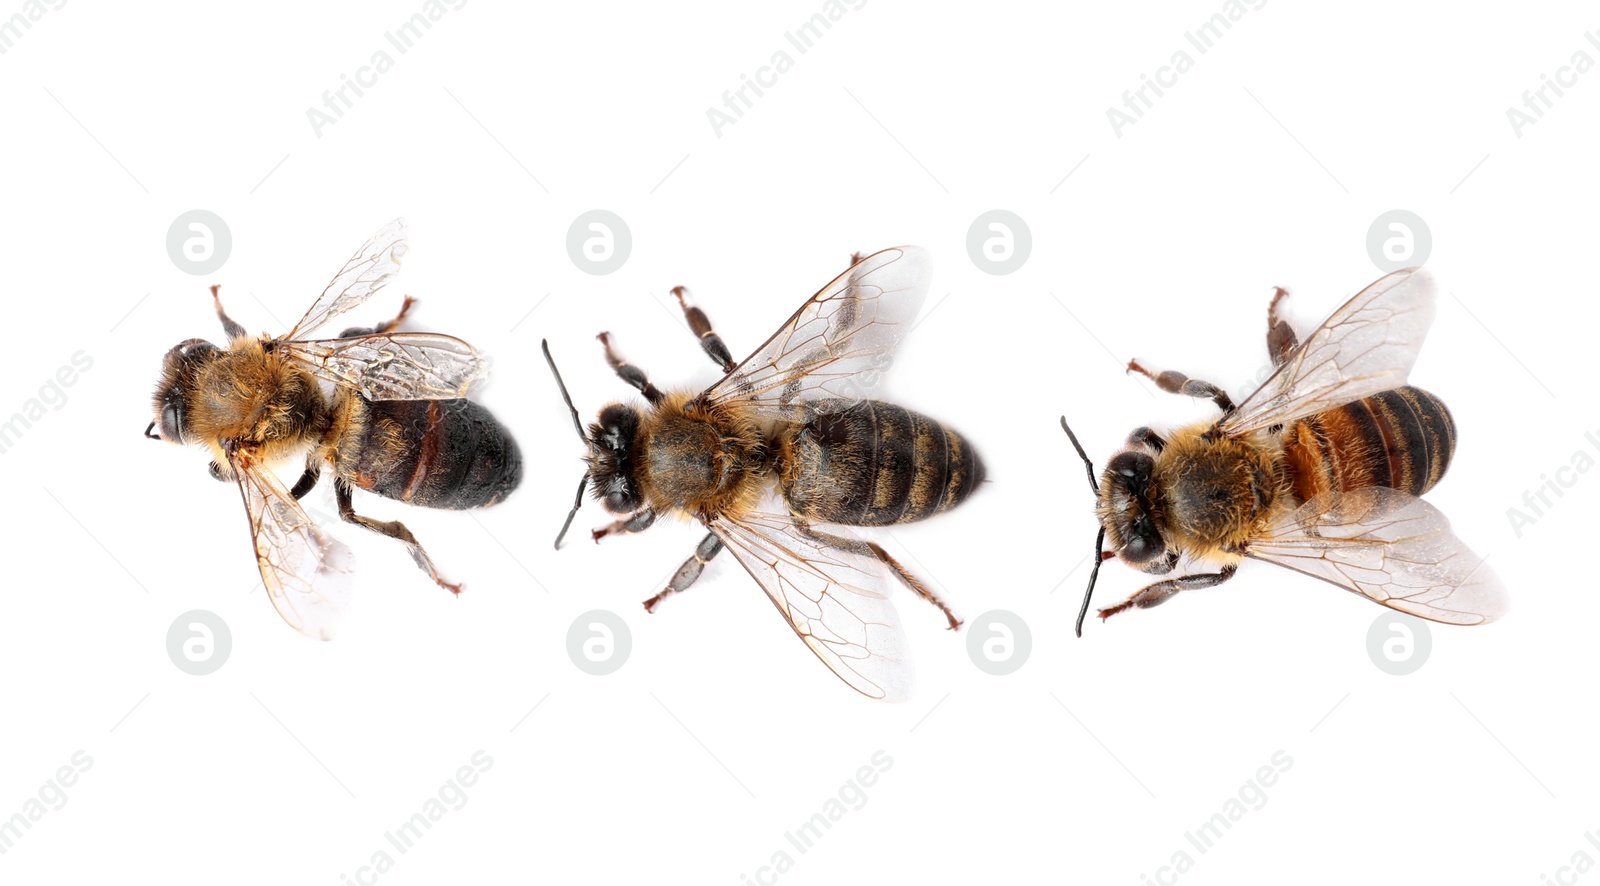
229 326
1146 437
358 331
710 546
216 472
392 528
638 521
1162 591
1281 340
1174 382
308 480
872 550
628 372
700 325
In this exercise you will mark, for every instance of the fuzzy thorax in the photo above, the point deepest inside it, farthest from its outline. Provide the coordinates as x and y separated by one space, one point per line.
249 396
1217 493
698 458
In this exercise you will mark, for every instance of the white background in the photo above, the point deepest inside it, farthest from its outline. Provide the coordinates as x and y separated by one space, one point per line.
1264 165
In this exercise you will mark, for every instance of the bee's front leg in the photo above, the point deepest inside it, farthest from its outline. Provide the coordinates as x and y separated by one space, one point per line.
1162 591
638 521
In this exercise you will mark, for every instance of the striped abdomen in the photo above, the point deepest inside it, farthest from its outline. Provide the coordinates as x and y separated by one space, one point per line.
434 453
874 464
1402 439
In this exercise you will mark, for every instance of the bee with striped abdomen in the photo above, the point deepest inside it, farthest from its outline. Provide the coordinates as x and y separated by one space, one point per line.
1318 470
397 424
787 441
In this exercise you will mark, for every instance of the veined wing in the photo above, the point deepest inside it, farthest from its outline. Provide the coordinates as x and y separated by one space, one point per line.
835 601
1390 546
368 271
840 342
1368 345
394 365
306 571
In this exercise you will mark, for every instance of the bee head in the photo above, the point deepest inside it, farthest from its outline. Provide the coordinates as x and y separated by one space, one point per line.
170 405
610 442
1126 501
609 459
1129 508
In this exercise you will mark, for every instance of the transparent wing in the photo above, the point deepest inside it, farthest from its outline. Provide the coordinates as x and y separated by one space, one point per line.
840 342
306 571
1367 346
394 365
1392 547
835 601
368 271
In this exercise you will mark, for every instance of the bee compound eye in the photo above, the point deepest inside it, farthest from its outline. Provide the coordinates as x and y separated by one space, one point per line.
171 423
620 502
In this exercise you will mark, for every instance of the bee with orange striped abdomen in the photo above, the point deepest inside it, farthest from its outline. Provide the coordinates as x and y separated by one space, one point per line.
1319 470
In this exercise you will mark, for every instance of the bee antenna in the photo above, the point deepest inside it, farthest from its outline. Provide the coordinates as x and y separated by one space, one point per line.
576 424
150 427
1099 541
1094 573
1088 466
578 503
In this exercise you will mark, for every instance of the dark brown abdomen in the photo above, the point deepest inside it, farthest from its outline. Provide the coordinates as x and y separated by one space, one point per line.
1402 439
434 453
875 464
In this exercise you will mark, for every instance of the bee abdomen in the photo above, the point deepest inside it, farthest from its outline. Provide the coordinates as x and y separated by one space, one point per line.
1401 438
877 464
449 454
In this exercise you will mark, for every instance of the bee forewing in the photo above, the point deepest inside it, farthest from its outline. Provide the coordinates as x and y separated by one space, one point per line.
1367 346
368 271
841 341
394 365
307 572
1390 546
835 601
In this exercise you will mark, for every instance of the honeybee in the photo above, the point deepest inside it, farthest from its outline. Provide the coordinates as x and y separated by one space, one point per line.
786 440
1319 470
396 424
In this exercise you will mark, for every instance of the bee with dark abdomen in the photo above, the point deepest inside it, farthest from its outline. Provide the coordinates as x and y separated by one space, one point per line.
396 424
784 442
1319 470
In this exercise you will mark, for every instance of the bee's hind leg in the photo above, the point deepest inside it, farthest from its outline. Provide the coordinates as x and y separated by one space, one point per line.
1162 591
392 528
689 572
872 550
1174 382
